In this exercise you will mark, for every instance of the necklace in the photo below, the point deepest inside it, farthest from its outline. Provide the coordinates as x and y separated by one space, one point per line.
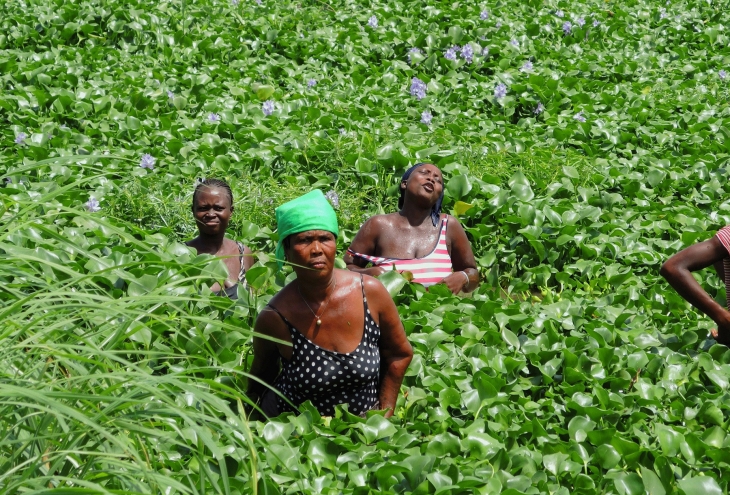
324 304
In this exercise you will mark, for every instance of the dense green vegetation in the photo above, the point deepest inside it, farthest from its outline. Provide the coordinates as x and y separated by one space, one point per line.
583 142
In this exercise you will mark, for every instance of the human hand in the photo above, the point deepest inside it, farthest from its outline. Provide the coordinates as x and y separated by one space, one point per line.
376 271
456 282
722 333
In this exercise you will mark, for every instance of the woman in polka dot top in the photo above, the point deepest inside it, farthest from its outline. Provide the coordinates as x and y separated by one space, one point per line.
339 338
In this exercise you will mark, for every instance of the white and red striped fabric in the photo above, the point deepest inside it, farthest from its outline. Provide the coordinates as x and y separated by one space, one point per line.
724 237
429 270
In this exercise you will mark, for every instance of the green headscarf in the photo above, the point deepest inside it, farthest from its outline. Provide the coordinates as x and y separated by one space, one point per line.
309 212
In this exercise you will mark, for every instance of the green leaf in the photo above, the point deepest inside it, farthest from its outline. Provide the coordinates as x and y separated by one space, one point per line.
376 428
652 483
458 186
393 282
700 484
264 92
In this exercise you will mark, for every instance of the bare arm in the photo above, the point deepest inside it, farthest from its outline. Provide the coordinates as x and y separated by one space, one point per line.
678 269
265 366
395 350
364 242
248 258
462 259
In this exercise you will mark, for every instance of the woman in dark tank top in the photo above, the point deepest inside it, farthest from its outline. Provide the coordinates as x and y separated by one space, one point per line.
212 208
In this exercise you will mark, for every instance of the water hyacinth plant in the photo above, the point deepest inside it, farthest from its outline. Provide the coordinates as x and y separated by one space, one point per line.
500 90
147 161
418 88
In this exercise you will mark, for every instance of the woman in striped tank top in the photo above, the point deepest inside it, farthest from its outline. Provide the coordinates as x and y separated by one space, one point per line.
678 272
418 238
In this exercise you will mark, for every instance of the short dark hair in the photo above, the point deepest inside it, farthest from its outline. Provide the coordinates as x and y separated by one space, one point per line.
213 183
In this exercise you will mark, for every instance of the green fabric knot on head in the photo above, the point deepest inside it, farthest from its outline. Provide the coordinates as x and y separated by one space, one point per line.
309 212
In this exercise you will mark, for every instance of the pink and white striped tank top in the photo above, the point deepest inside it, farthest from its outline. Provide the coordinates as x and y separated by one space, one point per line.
429 270
724 236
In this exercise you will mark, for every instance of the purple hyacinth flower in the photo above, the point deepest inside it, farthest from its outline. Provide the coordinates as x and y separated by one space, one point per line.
170 94
514 43
268 107
343 132
539 108
485 51
311 83
258 2
567 27
596 24
722 75
451 53
20 138
500 91
333 198
467 53
418 88
92 205
581 22
234 3
559 13
526 67
147 161
484 15
213 117
498 25
579 117
426 117
373 22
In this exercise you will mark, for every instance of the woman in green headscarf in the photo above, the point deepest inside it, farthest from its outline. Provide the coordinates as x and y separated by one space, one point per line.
345 343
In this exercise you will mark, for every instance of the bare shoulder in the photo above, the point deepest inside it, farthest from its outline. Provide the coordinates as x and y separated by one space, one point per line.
454 227
374 288
378 222
269 322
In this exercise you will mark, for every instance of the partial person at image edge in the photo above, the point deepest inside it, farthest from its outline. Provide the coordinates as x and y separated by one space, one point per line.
418 238
678 269
212 209
344 340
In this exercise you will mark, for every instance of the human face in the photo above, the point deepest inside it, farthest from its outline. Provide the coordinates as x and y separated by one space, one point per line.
212 210
312 252
425 182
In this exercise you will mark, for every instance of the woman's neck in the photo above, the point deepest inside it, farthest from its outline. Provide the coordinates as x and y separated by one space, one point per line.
210 244
415 215
316 289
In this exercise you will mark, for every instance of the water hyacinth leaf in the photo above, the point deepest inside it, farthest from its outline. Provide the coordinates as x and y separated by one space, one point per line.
652 483
460 207
608 456
257 276
629 484
458 186
669 440
142 285
323 453
555 463
264 92
393 282
510 338
578 427
377 428
699 484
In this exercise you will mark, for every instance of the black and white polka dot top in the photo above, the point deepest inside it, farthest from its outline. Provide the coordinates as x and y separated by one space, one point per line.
328 378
